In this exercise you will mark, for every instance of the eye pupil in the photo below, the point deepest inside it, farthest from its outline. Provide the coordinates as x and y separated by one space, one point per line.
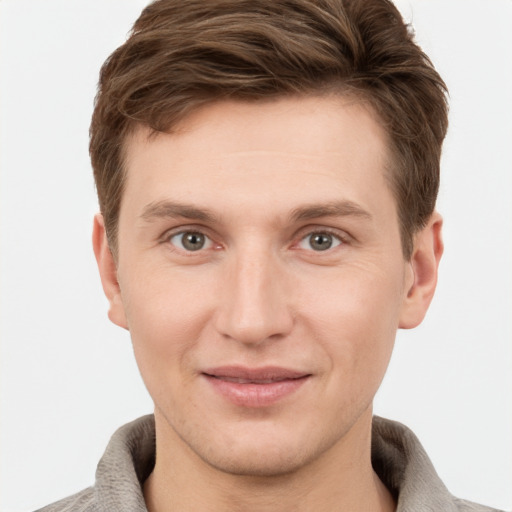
320 241
193 241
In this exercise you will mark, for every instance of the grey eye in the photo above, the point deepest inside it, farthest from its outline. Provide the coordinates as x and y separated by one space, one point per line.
190 241
319 241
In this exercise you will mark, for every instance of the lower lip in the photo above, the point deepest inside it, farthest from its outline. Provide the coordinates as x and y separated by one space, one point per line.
256 395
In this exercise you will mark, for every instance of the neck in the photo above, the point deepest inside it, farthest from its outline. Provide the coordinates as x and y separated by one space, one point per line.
341 479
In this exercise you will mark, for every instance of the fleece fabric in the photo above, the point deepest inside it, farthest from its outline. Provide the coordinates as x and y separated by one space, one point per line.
397 457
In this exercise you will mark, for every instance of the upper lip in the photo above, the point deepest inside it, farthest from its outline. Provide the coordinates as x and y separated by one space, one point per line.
263 374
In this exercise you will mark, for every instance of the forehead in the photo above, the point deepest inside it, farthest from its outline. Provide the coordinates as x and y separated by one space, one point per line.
235 153
324 116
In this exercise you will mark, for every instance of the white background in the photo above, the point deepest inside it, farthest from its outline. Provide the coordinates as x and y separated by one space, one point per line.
68 379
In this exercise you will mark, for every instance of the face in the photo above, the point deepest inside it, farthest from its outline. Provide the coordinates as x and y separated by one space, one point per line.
261 276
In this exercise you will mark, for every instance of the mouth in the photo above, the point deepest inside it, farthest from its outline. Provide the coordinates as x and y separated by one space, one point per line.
255 387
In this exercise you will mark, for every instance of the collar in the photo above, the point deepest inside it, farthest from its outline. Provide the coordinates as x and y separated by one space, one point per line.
397 457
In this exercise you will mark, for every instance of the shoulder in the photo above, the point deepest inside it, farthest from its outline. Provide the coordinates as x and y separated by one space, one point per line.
404 467
82 501
469 506
128 460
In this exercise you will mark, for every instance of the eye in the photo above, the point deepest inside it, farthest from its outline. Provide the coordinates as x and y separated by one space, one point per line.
191 241
320 241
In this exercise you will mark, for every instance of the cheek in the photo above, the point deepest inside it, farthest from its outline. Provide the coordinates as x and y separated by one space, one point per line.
166 314
354 314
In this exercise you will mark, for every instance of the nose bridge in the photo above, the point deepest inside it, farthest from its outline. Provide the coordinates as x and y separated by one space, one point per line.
255 303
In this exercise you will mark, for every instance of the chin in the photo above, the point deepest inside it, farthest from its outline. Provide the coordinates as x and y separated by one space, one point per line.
258 461
264 450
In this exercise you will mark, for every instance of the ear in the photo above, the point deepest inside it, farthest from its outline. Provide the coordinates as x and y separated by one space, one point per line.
108 272
422 273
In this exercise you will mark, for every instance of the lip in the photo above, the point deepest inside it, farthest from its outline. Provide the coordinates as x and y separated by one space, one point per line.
255 387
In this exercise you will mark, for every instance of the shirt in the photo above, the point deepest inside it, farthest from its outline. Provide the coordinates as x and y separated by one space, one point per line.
397 457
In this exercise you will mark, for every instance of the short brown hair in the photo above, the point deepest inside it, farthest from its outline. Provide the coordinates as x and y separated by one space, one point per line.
183 54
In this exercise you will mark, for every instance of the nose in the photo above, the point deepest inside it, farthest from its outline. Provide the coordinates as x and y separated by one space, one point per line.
255 302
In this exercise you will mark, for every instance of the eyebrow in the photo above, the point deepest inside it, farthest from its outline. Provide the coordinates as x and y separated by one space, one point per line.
331 209
170 209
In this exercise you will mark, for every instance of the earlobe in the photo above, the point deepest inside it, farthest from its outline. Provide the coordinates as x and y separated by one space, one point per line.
108 272
424 264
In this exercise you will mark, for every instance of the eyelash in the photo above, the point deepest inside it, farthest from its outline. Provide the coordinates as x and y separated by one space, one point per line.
306 233
169 235
341 238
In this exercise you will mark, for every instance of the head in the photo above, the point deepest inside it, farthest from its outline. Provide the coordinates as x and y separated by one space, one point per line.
183 55
267 174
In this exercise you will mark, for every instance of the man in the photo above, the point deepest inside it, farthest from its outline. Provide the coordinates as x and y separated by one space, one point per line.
267 175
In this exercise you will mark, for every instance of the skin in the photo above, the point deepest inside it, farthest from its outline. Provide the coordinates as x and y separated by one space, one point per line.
259 181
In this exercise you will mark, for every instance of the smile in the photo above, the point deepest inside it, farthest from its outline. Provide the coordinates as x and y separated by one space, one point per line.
261 387
249 381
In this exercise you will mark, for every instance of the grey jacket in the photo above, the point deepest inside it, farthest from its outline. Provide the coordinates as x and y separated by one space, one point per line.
397 457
